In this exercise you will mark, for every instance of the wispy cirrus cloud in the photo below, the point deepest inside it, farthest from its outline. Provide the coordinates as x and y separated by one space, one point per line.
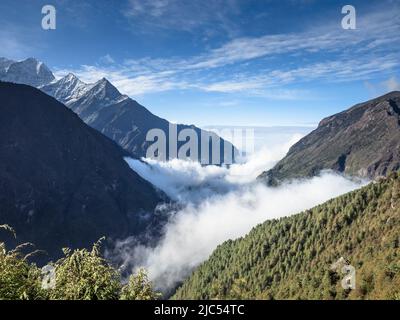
375 32
14 43
375 89
332 71
392 84
205 17
352 55
107 59
126 80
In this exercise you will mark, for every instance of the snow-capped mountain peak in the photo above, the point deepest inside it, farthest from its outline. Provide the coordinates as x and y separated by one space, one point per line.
4 65
71 91
102 106
104 89
67 89
30 71
71 77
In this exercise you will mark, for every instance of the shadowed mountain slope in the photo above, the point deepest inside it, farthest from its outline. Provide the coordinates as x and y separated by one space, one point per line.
63 183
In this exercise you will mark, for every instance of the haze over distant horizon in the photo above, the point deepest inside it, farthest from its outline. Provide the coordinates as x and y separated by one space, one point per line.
231 62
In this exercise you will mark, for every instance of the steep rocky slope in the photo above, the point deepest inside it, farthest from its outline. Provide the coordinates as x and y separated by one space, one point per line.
363 141
63 183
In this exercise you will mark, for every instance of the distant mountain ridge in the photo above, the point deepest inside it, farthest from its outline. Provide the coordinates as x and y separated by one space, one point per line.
66 89
104 108
64 184
362 141
29 71
4 65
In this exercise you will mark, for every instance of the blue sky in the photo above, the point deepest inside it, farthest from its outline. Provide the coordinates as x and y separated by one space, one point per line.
211 62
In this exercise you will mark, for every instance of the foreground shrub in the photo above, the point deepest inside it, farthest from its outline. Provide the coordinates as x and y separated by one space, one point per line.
18 278
139 288
85 275
79 275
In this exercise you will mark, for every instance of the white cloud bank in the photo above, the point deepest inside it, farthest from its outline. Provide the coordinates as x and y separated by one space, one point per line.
218 204
189 182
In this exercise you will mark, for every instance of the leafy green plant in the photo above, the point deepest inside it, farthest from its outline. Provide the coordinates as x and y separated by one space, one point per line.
18 278
80 275
139 288
85 275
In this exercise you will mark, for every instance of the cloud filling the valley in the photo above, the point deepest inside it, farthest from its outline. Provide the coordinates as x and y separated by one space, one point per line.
218 204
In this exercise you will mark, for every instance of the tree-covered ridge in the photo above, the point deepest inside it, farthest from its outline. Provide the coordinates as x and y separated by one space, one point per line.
291 258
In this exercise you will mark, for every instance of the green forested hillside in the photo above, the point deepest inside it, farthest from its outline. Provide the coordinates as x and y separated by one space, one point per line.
291 258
